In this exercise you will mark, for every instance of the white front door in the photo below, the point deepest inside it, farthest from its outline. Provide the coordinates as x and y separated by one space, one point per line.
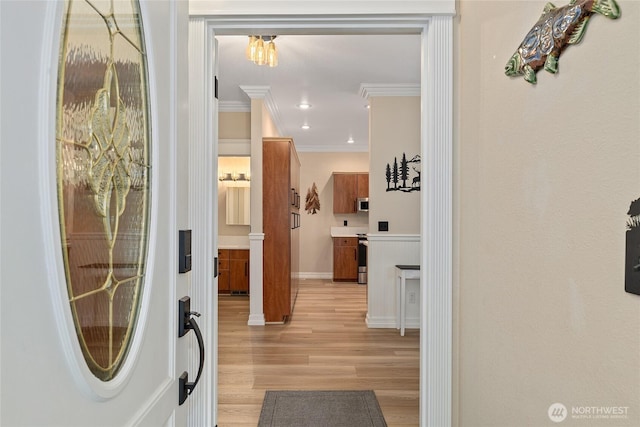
94 184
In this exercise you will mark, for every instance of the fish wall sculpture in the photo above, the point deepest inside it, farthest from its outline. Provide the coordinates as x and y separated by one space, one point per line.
557 28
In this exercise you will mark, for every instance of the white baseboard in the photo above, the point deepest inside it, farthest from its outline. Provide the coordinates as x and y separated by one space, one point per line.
390 323
380 322
315 275
256 320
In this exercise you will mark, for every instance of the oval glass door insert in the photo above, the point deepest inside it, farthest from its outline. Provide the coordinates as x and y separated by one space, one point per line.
103 174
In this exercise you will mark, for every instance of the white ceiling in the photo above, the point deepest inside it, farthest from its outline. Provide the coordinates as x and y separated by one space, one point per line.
325 71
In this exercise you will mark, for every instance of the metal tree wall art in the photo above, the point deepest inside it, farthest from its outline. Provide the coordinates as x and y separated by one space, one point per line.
556 29
399 176
312 200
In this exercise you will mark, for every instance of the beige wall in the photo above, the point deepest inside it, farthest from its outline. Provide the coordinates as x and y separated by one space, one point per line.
316 250
394 130
234 125
544 178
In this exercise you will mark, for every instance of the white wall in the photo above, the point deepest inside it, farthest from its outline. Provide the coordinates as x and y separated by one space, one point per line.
544 178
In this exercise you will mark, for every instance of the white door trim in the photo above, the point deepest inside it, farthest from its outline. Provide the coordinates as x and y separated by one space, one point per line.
436 148
203 150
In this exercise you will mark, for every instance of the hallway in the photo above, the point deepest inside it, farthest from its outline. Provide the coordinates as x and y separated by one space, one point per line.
325 346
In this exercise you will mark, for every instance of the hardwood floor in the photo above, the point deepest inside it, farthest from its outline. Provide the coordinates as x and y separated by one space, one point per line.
325 346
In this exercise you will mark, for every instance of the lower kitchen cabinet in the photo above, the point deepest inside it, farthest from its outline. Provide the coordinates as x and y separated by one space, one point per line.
239 271
345 259
233 271
223 271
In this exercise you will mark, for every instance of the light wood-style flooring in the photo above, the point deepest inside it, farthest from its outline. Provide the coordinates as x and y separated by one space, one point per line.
325 346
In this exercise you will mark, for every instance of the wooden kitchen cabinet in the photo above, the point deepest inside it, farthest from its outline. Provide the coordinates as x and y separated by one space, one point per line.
223 271
239 271
345 259
348 187
233 271
363 185
281 202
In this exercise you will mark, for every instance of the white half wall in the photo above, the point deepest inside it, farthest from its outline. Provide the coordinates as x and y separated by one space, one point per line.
384 253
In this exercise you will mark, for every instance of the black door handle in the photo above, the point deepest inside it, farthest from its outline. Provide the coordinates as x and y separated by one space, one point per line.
186 322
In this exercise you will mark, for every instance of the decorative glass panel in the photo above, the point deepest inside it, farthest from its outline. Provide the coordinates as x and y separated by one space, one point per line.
103 166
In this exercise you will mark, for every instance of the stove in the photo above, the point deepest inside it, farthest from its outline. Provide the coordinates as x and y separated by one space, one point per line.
363 243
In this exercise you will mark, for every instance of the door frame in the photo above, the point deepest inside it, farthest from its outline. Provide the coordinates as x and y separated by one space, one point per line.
436 143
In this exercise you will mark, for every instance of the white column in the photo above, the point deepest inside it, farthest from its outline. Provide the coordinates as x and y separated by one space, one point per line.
437 142
256 251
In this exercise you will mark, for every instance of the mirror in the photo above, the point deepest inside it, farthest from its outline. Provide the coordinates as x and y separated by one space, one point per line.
234 190
238 203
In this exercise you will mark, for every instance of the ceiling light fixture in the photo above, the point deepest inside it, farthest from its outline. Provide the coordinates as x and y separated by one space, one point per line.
304 106
350 140
305 126
260 53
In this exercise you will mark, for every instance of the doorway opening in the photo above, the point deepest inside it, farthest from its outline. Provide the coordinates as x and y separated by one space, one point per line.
436 197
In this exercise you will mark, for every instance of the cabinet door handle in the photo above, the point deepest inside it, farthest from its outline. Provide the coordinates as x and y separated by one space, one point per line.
355 254
246 269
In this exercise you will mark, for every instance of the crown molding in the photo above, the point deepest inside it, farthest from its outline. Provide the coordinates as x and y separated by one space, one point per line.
256 92
332 149
368 90
264 93
234 107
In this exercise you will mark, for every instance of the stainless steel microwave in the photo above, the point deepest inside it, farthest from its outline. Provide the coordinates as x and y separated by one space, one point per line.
363 205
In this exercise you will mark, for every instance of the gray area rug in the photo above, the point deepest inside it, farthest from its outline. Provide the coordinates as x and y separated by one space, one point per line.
321 409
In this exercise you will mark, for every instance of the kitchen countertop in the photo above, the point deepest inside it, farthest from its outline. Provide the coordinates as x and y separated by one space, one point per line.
348 231
233 247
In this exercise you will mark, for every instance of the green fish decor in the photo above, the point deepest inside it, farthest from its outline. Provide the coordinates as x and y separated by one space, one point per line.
557 28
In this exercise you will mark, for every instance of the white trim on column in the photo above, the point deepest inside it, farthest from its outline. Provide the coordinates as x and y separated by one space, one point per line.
256 307
436 274
264 93
202 193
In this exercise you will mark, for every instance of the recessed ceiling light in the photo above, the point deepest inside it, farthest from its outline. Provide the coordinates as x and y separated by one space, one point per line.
305 126
350 140
304 106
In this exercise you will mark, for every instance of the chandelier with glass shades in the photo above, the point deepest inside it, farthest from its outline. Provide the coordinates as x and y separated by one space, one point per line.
262 50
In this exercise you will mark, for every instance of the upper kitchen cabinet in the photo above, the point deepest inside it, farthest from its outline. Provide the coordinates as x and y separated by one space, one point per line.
363 185
348 187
